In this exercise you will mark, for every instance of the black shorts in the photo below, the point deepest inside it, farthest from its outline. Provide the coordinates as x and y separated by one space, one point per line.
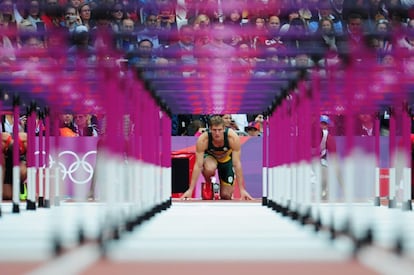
225 170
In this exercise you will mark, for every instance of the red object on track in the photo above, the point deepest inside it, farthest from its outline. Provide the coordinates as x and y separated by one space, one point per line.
207 191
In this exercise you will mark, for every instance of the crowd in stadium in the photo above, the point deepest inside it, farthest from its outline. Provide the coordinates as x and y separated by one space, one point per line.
191 38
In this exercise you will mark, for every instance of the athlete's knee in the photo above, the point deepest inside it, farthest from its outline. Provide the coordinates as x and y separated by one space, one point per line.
208 173
225 196
209 170
210 167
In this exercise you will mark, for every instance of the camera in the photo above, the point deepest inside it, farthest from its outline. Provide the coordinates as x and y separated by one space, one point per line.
71 17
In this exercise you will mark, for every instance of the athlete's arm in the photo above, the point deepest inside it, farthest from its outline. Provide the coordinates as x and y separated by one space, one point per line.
201 146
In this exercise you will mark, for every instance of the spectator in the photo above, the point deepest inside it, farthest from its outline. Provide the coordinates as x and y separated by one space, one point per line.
72 19
297 37
196 128
7 18
325 11
352 7
53 44
233 22
377 11
245 62
328 156
93 4
85 15
258 34
8 24
167 19
7 52
384 36
327 43
212 9
181 53
33 19
354 36
66 126
274 39
20 10
274 64
253 129
337 9
217 47
406 42
75 3
151 32
144 59
7 122
292 13
273 25
32 57
227 120
53 16
118 14
240 121
234 126
126 39
410 24
132 10
202 28
180 124
101 34
259 119
365 125
151 7
81 52
83 125
302 61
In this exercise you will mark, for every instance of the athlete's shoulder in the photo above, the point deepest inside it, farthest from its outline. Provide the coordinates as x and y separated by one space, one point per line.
233 137
203 139
232 133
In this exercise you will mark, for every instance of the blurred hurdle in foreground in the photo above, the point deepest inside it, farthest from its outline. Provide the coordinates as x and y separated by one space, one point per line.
132 177
341 194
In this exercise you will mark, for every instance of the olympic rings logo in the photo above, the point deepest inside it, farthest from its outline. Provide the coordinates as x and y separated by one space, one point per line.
77 169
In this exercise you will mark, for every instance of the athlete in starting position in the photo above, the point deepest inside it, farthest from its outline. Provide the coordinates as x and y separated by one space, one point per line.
219 148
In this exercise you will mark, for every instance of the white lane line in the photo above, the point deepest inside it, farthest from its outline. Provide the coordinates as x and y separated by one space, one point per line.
71 263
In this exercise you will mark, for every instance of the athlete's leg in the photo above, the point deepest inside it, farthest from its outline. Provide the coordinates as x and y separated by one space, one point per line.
226 191
209 168
226 175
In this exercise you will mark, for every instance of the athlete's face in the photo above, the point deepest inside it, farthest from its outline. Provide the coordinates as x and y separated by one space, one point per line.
217 132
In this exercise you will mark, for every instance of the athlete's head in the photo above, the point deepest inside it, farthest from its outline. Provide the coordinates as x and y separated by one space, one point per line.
217 127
